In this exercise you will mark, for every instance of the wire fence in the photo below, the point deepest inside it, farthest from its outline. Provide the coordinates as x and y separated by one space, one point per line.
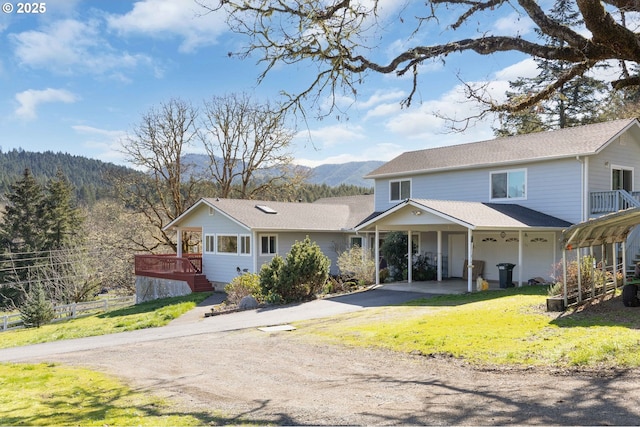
71 311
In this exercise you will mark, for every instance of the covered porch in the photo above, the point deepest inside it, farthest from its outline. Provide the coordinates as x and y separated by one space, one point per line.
511 223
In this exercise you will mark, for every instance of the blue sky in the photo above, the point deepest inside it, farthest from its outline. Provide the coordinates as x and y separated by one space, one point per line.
79 76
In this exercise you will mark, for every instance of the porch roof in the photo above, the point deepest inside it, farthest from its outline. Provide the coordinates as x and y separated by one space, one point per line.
611 228
473 215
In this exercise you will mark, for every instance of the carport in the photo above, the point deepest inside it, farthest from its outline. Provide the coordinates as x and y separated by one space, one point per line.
462 217
612 229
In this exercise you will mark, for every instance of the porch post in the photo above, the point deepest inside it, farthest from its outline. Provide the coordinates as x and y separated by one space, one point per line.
624 261
377 255
179 243
470 258
564 276
520 257
439 255
409 258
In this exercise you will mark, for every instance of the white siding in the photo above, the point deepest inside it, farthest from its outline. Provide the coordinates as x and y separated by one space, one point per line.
553 187
220 267
624 152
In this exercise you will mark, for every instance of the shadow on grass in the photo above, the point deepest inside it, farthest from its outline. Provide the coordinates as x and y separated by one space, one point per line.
608 310
151 306
461 299
88 406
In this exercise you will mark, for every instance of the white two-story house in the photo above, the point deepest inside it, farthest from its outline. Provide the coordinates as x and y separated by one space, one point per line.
469 207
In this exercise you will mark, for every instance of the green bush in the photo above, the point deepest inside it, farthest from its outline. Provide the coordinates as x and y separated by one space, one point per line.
242 286
394 251
357 264
36 310
423 269
299 277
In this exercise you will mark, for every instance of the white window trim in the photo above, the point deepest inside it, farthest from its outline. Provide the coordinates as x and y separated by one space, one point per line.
357 236
623 168
508 171
204 244
240 237
400 189
260 244
228 235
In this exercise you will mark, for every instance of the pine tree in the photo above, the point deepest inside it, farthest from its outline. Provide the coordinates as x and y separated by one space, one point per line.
61 217
576 102
36 310
21 226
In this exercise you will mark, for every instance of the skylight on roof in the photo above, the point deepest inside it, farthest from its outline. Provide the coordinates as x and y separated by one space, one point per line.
266 209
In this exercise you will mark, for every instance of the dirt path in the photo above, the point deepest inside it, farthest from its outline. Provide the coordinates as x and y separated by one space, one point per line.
283 378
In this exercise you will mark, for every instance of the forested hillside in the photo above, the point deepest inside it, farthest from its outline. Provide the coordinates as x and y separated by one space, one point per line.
86 175
89 176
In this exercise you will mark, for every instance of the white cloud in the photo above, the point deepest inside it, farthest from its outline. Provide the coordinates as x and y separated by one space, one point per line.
29 100
159 18
526 68
383 151
330 136
69 46
514 24
382 96
107 143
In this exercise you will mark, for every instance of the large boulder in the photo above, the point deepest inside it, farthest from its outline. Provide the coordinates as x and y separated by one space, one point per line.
248 303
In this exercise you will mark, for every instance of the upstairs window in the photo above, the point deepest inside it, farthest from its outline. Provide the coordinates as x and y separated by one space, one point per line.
509 184
399 190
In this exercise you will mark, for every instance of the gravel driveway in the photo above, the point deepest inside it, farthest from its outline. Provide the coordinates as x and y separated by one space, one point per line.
247 375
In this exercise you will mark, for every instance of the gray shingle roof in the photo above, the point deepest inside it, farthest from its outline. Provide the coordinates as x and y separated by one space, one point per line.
325 215
478 215
568 142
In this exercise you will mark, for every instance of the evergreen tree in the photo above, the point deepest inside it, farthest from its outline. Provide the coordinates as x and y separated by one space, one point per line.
61 216
21 226
575 102
36 310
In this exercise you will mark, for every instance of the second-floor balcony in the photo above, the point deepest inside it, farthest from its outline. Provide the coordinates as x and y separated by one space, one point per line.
603 202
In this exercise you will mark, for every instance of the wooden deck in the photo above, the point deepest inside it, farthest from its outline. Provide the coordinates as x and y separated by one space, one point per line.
188 268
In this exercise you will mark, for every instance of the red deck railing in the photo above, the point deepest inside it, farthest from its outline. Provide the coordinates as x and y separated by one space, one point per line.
168 266
168 263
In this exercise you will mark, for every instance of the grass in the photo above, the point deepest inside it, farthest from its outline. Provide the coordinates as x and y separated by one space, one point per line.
505 327
146 315
48 394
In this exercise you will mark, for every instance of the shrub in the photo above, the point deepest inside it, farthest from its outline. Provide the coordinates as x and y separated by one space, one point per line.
300 276
242 286
36 310
422 269
357 264
394 251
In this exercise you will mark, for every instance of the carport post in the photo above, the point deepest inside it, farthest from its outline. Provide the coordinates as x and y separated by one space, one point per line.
470 263
377 250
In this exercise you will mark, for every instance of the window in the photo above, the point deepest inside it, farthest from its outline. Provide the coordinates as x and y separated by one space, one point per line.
245 245
355 241
227 244
268 245
509 184
399 190
621 179
209 243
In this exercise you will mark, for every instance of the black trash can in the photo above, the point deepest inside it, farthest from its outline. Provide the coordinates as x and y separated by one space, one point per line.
506 274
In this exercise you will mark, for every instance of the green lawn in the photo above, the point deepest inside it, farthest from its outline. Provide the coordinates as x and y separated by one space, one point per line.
52 395
146 315
506 327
